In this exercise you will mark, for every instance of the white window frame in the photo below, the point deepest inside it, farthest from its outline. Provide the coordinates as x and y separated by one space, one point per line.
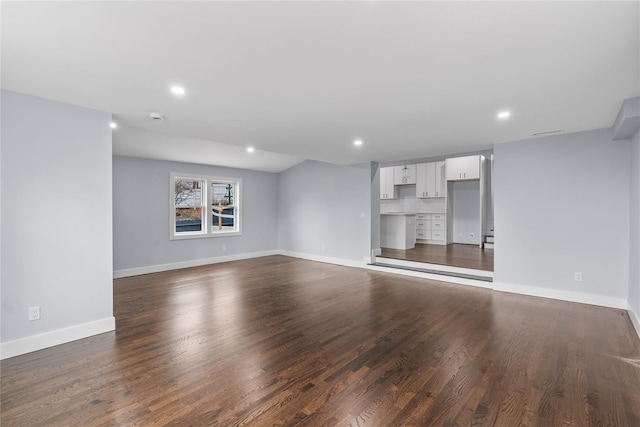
207 228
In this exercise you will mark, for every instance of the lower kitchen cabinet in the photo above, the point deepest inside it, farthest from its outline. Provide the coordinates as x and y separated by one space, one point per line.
431 228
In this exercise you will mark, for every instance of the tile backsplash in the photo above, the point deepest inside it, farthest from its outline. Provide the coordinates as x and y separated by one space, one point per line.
413 205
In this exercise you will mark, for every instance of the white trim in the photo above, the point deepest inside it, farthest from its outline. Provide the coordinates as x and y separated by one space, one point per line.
431 276
427 266
326 259
208 230
57 337
376 252
118 274
635 320
570 296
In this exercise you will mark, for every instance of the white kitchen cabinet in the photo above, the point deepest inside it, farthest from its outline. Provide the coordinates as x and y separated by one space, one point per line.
387 188
423 226
397 231
463 168
430 180
431 228
437 236
425 180
441 179
404 175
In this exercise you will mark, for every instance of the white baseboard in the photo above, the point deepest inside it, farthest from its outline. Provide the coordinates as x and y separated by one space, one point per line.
579 297
635 320
117 274
570 296
57 337
320 258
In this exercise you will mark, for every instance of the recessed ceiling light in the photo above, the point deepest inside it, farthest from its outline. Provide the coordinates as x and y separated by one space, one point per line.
250 150
503 114
357 142
177 90
113 125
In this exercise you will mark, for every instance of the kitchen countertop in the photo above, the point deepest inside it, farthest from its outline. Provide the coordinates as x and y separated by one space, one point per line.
398 213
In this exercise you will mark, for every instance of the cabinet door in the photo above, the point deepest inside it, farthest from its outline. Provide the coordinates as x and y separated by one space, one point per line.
431 180
454 168
441 180
421 180
463 168
386 183
472 167
404 174
426 180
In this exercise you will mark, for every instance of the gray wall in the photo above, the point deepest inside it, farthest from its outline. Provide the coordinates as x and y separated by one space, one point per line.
634 247
141 214
465 204
375 205
56 215
321 204
561 206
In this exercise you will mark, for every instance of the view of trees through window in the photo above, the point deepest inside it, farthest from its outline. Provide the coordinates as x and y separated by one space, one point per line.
194 196
188 204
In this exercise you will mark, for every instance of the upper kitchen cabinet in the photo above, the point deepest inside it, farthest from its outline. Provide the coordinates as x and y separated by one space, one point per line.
430 180
404 174
387 188
463 168
441 179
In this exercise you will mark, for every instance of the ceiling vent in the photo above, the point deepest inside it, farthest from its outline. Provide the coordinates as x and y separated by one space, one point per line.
156 116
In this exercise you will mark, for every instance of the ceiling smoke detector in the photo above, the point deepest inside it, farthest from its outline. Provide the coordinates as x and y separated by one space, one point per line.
156 116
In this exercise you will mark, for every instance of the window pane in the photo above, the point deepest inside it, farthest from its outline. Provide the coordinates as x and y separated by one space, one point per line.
188 205
223 208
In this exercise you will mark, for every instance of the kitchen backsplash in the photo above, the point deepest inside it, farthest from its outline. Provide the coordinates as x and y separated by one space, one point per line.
413 205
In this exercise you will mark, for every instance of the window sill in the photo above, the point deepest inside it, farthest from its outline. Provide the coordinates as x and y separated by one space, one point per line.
204 236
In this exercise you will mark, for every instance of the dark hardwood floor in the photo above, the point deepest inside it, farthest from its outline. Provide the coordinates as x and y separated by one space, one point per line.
455 255
283 341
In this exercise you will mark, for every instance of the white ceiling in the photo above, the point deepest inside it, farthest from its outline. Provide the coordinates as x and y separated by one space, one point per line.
302 80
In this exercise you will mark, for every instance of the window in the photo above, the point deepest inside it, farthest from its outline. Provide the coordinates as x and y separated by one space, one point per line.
204 206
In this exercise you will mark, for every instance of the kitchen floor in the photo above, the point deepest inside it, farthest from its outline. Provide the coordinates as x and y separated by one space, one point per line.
455 255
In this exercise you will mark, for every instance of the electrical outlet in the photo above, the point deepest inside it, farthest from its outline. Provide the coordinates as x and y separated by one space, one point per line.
323 248
224 247
577 276
34 313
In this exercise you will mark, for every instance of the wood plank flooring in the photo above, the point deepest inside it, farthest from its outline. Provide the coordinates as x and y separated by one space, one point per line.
287 342
455 255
